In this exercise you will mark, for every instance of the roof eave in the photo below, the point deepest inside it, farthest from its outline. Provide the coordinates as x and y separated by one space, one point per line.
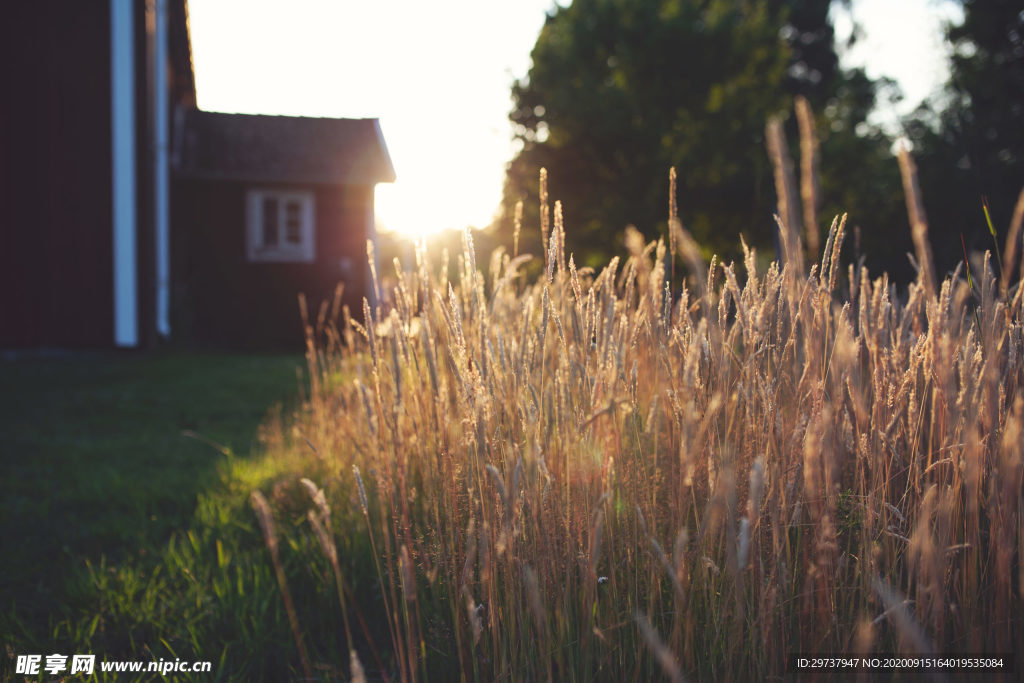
291 179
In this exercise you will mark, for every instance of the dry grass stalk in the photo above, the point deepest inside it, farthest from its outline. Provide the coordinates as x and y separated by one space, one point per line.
796 433
681 241
371 257
1013 244
667 660
912 635
918 220
785 190
545 218
537 610
321 524
559 236
674 224
518 221
266 521
809 185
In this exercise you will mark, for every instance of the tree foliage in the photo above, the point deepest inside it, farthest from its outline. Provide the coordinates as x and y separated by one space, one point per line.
988 84
620 90
973 148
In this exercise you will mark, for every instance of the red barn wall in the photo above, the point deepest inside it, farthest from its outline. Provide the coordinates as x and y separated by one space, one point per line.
56 284
222 300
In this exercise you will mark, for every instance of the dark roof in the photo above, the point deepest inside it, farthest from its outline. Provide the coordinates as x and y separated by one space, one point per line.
297 149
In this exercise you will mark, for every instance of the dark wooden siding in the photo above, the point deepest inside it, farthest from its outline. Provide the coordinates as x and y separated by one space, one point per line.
145 245
56 286
222 300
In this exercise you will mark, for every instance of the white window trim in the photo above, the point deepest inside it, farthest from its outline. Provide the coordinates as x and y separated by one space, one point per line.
282 252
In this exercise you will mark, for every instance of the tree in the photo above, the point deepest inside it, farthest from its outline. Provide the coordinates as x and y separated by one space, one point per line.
620 90
974 147
988 82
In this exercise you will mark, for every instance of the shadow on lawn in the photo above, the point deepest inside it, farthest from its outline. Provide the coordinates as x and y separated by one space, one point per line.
97 461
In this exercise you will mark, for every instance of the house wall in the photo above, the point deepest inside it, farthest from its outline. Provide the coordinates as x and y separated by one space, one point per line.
56 286
223 301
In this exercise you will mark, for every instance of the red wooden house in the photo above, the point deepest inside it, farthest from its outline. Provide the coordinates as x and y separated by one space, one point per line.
128 217
266 207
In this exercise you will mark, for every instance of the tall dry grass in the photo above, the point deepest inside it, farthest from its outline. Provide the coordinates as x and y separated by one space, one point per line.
591 475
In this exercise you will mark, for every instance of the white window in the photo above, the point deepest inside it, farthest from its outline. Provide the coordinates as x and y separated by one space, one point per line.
280 226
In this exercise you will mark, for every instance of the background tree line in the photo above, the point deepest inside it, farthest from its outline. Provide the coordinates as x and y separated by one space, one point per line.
620 90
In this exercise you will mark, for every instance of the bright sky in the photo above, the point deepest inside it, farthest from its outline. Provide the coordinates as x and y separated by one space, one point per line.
438 76
904 40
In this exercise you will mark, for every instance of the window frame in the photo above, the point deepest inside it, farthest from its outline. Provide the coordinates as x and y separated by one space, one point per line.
284 251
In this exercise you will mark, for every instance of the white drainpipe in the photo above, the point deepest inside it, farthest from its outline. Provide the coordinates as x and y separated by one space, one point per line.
122 133
161 192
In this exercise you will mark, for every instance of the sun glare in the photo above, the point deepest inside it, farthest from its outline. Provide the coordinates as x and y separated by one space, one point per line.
437 79
434 192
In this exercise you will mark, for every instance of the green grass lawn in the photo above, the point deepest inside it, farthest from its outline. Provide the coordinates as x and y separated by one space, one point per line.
106 462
